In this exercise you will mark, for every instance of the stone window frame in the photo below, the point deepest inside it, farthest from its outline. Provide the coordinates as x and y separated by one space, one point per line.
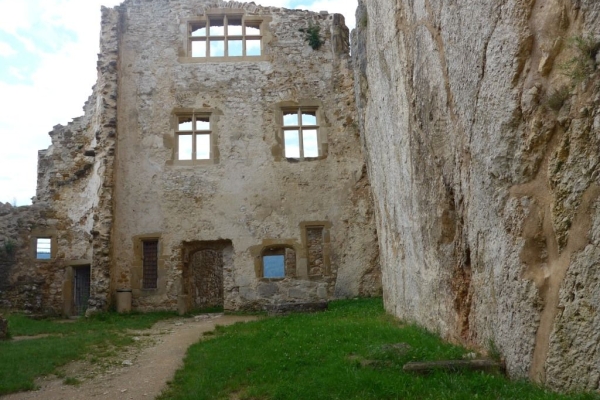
271 244
314 106
137 267
326 226
275 248
225 14
213 117
154 275
44 234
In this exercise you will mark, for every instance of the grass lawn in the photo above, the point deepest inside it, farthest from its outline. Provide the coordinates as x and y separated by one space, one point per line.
22 361
343 353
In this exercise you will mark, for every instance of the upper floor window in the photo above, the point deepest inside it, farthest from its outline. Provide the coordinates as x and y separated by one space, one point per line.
300 133
193 137
225 36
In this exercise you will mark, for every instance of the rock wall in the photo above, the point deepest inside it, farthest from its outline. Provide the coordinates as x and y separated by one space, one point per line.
481 127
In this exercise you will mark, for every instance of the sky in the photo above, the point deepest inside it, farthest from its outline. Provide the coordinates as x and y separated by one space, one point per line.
48 53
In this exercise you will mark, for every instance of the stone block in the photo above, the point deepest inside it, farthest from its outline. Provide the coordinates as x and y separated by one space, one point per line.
267 289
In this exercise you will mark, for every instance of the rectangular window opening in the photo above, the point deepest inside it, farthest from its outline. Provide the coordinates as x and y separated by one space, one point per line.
300 133
225 36
150 264
234 27
274 266
291 144
217 27
43 249
199 48
198 29
193 137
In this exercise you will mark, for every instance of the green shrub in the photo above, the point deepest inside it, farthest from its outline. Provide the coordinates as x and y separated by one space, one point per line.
313 36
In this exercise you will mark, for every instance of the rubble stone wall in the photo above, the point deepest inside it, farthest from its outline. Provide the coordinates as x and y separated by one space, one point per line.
483 146
249 193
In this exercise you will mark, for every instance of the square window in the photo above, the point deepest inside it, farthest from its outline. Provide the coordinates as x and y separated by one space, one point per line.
253 47
43 248
198 29
217 48
235 48
193 137
274 266
234 27
199 49
300 133
217 27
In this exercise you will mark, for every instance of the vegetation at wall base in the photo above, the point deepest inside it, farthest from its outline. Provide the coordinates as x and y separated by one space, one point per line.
352 351
22 361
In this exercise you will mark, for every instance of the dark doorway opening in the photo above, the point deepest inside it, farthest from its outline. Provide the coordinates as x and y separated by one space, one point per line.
81 289
203 273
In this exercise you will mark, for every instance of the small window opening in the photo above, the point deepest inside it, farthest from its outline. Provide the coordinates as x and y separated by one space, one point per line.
193 137
279 262
150 264
300 133
43 249
274 266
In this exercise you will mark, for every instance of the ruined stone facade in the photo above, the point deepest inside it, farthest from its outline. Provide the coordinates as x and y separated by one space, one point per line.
481 126
129 199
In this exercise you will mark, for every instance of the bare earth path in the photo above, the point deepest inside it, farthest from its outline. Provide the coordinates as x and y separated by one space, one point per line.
151 366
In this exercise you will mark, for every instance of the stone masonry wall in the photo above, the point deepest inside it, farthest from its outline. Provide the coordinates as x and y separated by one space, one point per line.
249 194
483 143
72 205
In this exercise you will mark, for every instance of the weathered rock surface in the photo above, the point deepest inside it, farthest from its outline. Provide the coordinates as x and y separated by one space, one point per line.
486 178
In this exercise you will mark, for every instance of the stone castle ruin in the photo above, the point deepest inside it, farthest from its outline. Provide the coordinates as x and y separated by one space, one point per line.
224 159
218 163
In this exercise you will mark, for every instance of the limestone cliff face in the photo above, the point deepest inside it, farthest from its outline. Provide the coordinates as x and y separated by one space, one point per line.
481 125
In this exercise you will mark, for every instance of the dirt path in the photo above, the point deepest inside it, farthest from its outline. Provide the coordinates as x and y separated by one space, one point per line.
139 373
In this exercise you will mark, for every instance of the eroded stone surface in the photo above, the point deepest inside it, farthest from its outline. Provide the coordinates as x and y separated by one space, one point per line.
486 192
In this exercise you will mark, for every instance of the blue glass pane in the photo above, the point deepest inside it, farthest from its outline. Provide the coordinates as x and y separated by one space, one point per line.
274 266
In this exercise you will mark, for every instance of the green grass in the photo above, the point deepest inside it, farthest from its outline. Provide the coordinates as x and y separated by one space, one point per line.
343 353
22 361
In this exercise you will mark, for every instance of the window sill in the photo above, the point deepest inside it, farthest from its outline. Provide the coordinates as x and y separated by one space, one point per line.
292 160
208 60
191 163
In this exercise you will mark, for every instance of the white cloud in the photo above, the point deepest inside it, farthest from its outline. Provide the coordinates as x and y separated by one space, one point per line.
6 50
63 76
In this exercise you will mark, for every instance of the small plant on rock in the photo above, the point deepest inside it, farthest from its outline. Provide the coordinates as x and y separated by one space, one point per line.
584 63
313 36
557 98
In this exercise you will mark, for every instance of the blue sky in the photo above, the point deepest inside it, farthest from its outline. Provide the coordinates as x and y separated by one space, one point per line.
48 52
